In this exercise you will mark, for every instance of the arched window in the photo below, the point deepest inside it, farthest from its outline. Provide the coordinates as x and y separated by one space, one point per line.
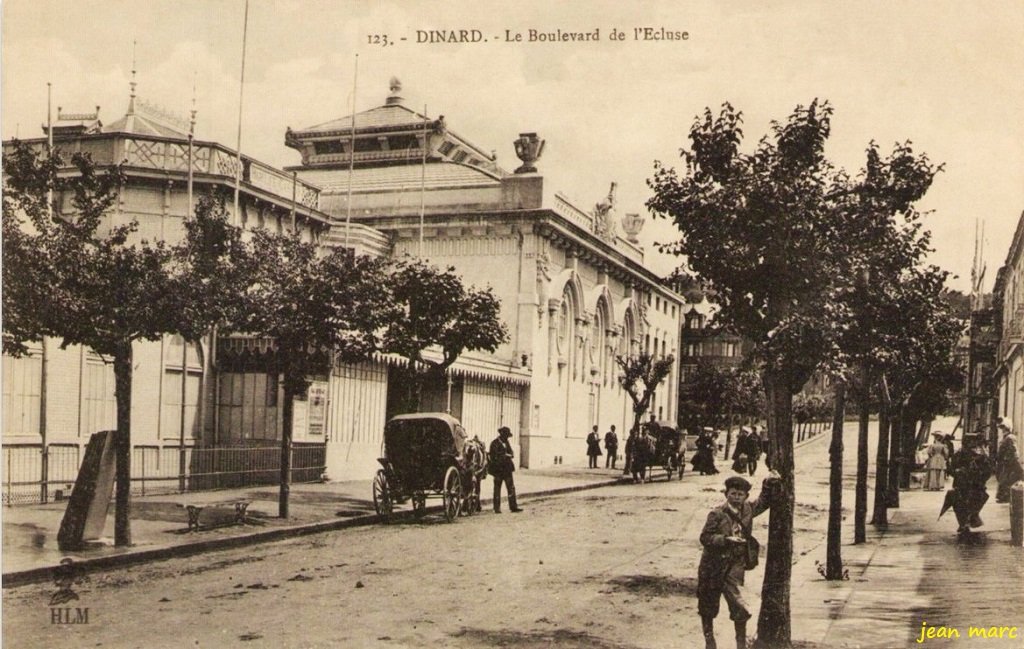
597 342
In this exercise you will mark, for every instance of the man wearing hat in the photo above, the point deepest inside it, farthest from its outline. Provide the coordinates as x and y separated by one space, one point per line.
1008 468
728 547
501 465
971 469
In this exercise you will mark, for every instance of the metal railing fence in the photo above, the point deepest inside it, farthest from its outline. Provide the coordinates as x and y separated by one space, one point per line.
155 469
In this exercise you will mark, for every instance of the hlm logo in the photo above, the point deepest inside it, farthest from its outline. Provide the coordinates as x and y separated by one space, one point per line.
69 615
65 577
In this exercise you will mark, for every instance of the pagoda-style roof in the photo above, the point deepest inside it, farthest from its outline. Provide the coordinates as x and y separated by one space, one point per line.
146 119
388 116
391 134
441 175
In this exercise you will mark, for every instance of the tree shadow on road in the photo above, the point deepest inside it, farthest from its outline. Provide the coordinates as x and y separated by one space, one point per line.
560 638
655 585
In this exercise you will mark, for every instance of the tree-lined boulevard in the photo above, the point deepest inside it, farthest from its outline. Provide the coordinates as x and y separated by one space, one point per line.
612 568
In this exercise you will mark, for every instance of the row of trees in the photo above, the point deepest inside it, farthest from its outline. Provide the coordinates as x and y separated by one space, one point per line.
77 275
821 270
716 396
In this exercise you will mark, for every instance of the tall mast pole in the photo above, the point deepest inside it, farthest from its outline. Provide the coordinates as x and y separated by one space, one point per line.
351 154
238 142
423 177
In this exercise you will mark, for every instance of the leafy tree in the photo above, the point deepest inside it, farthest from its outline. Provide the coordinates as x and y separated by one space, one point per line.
760 229
641 376
85 278
707 393
318 310
437 311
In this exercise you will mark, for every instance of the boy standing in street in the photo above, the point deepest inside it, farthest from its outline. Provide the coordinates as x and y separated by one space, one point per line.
727 549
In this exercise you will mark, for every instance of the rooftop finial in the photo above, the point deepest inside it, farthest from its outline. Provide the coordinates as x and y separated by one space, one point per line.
132 84
395 97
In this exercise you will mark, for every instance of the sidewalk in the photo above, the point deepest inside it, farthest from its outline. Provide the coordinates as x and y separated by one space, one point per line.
160 522
912 573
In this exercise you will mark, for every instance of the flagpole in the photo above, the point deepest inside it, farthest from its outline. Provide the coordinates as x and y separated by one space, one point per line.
184 341
423 177
49 146
351 155
241 95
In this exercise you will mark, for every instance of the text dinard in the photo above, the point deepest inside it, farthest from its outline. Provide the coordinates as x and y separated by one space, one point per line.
558 35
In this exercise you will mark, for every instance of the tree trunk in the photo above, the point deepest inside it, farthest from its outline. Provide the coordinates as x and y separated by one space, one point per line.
880 516
286 450
773 624
833 552
861 502
896 425
123 450
910 438
728 435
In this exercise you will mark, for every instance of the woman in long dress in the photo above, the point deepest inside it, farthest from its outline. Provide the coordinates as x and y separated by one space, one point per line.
935 466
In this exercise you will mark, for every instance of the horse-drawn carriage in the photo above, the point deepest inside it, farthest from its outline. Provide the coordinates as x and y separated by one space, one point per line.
429 455
669 447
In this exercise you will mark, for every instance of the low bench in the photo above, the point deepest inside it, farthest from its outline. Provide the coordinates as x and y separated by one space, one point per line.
194 510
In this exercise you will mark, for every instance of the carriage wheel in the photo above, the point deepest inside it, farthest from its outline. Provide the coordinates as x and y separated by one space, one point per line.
382 502
419 505
452 494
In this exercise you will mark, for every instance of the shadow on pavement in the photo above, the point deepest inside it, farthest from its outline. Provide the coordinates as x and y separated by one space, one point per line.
560 638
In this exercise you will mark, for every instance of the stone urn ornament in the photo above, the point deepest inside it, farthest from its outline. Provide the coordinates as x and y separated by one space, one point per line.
529 148
631 225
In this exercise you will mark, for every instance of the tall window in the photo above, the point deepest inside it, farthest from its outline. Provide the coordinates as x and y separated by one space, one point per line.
183 368
22 401
99 406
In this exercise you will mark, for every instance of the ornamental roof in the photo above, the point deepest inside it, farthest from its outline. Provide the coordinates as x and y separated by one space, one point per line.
390 115
438 175
146 119
385 135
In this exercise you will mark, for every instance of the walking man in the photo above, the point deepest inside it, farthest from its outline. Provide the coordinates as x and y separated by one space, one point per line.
752 443
971 469
611 447
729 550
501 465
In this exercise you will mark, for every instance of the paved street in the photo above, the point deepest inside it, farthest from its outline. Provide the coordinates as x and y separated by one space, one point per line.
607 568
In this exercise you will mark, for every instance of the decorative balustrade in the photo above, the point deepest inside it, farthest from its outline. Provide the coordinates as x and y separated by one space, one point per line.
573 214
211 159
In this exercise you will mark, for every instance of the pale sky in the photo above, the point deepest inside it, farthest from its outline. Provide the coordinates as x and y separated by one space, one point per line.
945 75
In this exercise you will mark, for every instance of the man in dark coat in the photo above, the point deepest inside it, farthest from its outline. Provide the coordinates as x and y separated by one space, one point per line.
643 454
752 446
1008 468
723 561
739 454
611 447
593 447
971 469
501 465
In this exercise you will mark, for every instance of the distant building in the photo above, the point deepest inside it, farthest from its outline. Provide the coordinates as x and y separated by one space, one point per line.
1008 333
573 284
